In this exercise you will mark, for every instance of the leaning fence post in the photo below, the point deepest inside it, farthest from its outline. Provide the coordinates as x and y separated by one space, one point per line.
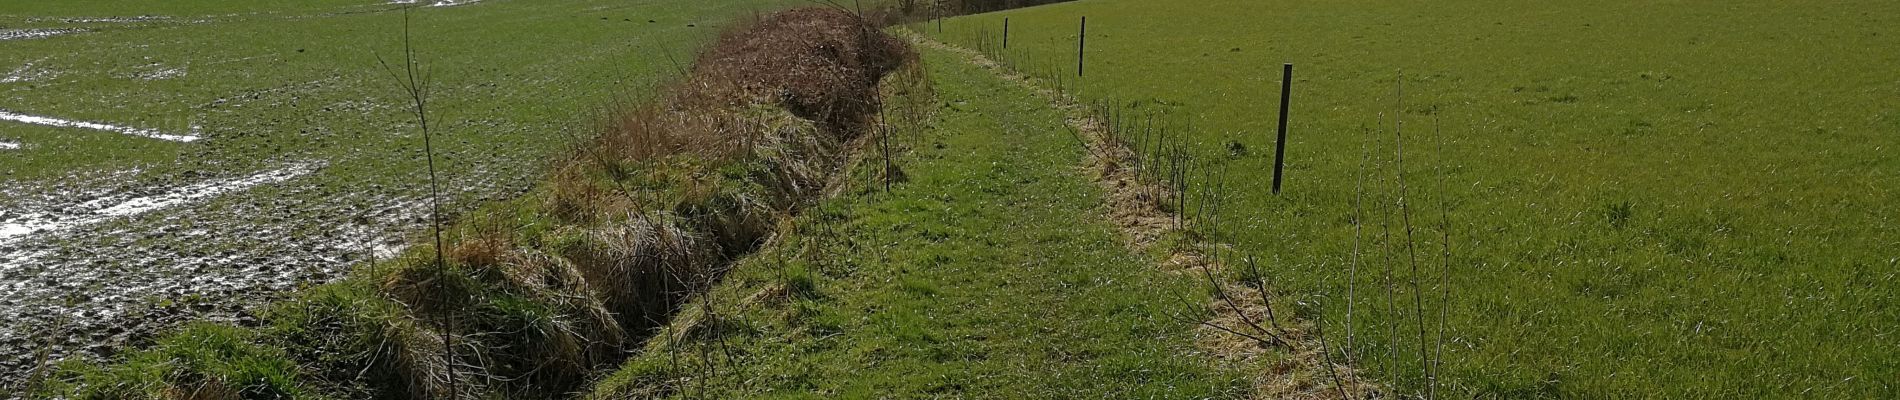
1279 146
1081 43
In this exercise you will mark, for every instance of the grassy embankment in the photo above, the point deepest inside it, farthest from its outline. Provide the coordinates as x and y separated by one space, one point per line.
991 272
540 292
1682 200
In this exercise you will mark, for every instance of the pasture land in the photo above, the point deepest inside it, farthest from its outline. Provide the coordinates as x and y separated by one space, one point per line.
1689 199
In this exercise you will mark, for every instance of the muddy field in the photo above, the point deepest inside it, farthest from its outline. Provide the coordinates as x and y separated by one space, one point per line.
190 159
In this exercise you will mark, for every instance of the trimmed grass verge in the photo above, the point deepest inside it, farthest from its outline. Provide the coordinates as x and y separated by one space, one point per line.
989 273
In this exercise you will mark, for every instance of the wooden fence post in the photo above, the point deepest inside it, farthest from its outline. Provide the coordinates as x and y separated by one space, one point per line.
1279 146
1081 44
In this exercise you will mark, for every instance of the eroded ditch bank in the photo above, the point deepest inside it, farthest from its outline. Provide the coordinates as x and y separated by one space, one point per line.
540 292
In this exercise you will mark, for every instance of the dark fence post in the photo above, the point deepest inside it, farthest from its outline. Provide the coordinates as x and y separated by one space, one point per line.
1005 32
1081 43
1279 147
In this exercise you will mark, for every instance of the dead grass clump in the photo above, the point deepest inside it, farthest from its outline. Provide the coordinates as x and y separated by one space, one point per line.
796 157
820 64
641 267
573 197
207 389
479 252
429 290
556 281
409 360
655 131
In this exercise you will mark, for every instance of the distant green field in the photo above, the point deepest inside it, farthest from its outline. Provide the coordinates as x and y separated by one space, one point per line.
1677 200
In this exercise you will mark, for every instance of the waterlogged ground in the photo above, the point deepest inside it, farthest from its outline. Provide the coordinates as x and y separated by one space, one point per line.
188 159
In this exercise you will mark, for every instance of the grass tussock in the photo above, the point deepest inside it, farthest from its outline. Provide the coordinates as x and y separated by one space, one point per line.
539 293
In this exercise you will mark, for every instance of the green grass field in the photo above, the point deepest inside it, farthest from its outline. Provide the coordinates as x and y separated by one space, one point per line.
1675 200
990 272
301 80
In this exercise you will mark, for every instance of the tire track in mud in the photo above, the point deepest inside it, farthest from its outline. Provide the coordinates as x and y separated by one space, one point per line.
1301 369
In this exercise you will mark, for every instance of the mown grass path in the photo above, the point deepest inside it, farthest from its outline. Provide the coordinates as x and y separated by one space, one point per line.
988 273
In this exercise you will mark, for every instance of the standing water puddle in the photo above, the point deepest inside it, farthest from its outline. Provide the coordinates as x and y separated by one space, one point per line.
14 34
49 121
438 3
96 211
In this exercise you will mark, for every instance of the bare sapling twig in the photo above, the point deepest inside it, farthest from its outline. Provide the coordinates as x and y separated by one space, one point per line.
1444 275
884 147
1326 351
1411 246
1084 143
1220 290
1358 201
1391 295
1198 315
415 82
1260 280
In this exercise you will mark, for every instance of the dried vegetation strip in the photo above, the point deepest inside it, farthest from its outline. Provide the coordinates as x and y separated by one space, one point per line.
542 291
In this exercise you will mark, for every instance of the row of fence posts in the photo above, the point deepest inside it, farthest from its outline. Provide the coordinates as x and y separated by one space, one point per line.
1286 93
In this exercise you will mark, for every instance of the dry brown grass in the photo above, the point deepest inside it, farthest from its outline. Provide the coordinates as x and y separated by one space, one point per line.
203 389
822 65
410 357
